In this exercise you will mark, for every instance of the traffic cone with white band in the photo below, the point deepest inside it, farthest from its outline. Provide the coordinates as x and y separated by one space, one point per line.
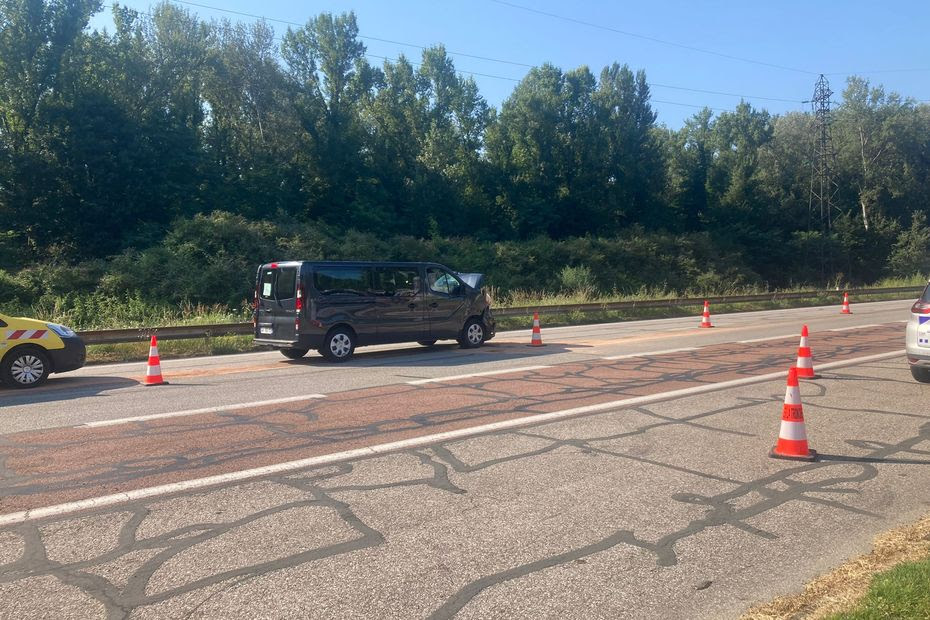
845 309
153 370
805 363
792 436
536 341
705 319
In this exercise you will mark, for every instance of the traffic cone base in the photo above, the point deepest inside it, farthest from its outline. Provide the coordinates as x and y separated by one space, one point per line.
153 368
536 340
810 456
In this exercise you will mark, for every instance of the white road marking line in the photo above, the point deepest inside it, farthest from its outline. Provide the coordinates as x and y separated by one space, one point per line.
476 374
629 355
315 461
766 339
179 414
846 329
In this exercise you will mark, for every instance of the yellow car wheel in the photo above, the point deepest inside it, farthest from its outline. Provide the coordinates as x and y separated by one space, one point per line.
25 367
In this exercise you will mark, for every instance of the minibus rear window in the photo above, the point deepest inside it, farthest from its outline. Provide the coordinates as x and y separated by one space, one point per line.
266 284
286 285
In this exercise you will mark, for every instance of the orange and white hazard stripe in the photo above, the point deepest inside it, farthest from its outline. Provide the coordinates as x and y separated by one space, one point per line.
26 334
536 340
792 436
153 368
805 363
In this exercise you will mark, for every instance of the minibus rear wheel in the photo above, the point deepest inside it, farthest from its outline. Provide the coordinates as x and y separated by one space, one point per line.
294 354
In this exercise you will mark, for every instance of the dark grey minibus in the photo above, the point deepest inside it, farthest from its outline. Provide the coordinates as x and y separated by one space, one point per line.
336 306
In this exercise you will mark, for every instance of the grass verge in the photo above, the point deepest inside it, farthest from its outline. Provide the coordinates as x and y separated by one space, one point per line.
170 349
892 581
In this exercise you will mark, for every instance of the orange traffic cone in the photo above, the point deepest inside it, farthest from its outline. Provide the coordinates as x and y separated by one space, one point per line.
845 309
537 335
792 438
805 363
705 320
153 370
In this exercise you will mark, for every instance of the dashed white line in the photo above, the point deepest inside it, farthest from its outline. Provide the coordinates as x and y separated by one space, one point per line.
476 374
647 353
248 474
766 339
851 328
179 414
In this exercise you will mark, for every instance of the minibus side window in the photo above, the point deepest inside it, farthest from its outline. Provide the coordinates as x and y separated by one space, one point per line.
394 282
442 282
342 280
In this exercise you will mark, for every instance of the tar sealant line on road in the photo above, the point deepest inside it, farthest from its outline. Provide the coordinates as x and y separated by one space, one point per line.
853 327
647 353
348 455
179 414
487 373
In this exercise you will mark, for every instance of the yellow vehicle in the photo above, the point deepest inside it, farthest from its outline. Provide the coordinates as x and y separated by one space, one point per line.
31 350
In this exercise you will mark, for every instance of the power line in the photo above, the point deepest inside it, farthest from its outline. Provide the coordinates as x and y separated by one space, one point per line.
370 38
878 71
475 73
692 105
652 39
717 92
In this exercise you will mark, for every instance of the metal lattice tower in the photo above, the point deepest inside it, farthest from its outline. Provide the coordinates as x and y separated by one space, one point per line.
823 162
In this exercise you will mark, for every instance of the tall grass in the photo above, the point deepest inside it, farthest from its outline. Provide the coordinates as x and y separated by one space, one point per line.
98 311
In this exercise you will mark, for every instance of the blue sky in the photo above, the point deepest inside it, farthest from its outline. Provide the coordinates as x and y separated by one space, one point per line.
886 46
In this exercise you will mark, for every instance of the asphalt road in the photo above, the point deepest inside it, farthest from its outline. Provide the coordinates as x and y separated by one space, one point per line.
556 483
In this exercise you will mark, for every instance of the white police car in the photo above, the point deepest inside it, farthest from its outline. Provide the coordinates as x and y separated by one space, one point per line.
917 340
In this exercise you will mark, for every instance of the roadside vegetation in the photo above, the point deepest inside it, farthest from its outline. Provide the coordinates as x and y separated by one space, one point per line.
890 582
145 172
902 593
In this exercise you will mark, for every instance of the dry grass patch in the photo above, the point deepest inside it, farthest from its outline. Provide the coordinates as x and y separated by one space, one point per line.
841 589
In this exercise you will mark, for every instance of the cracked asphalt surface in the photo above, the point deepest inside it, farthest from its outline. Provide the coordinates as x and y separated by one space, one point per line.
665 510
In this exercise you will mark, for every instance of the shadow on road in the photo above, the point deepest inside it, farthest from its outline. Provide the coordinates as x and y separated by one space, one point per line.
439 355
839 458
62 388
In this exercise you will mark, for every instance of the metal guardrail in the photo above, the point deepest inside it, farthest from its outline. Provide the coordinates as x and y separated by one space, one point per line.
116 336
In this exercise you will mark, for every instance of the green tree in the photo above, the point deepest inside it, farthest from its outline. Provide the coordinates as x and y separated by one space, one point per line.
911 252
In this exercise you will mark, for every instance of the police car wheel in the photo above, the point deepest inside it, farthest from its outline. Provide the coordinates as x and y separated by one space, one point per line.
920 374
25 368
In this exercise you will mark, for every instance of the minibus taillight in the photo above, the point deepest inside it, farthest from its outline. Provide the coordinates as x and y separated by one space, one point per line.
300 306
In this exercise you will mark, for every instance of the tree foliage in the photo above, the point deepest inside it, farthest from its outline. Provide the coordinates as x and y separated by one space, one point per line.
114 146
